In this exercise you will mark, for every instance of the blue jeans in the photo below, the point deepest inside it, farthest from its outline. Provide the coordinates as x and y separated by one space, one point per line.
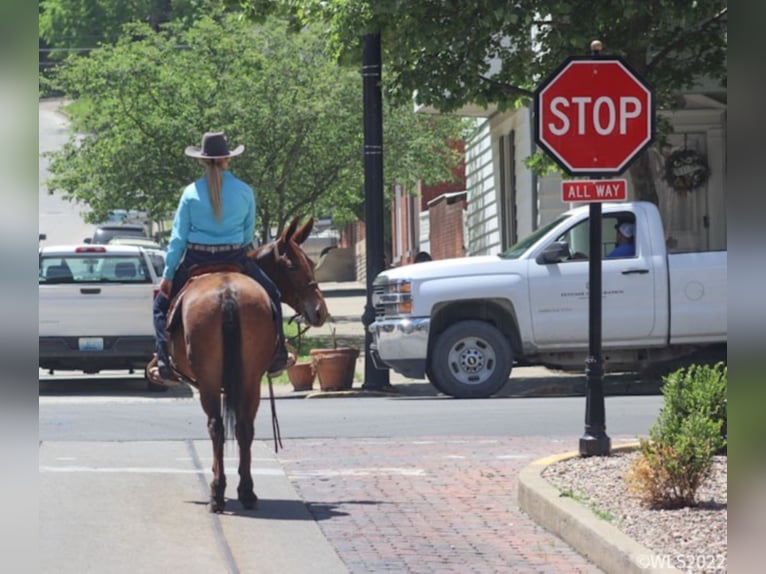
191 258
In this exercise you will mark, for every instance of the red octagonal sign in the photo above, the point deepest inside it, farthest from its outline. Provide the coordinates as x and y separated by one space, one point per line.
594 116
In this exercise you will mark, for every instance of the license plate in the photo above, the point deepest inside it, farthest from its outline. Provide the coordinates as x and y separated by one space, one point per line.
91 343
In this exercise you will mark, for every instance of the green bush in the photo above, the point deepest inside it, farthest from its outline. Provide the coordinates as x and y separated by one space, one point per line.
689 431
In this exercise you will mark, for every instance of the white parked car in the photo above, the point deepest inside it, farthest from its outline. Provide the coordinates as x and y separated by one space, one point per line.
95 306
137 241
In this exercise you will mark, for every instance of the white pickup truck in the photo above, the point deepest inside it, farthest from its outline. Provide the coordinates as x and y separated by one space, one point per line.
95 306
465 322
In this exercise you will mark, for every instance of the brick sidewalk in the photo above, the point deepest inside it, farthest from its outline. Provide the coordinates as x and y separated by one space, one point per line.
428 505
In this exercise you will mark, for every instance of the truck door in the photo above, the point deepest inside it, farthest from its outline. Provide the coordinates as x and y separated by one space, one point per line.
559 291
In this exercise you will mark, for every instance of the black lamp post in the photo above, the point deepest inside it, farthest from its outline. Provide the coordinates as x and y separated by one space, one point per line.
374 379
595 441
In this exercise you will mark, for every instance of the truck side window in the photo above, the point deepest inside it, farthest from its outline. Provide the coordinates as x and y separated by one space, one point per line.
624 239
578 237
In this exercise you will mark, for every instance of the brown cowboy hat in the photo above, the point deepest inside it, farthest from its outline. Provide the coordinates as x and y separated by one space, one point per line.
213 146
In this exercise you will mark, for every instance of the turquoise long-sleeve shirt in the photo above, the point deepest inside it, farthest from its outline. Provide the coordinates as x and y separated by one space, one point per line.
195 221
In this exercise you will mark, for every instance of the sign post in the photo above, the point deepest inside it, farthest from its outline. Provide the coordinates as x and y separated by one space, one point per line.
593 116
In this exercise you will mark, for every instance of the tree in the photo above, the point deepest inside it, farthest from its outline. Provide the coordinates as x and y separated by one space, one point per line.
143 100
81 25
441 49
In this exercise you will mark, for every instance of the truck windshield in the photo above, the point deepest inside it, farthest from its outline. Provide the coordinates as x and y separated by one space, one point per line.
518 250
92 268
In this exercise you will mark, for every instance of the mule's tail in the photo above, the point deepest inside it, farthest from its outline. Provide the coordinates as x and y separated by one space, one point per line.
232 361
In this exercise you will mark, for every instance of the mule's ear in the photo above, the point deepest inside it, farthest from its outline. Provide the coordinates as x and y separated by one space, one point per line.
302 234
290 230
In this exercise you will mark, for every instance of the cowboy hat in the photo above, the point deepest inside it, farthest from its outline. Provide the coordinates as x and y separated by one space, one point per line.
213 146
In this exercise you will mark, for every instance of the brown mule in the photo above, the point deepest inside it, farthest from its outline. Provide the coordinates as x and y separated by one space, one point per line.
225 340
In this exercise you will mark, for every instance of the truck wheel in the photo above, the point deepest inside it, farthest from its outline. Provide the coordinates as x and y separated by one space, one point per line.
472 359
433 380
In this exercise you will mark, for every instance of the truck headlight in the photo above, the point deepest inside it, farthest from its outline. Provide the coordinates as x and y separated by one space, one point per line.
392 298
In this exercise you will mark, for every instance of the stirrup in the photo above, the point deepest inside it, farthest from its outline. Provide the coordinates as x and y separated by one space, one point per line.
156 376
278 370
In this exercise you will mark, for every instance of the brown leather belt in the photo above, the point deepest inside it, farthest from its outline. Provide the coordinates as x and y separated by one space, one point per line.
213 248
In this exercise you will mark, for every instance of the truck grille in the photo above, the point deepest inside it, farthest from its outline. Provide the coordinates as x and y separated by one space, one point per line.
380 308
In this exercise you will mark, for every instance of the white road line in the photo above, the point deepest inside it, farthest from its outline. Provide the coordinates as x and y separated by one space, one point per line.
156 470
105 400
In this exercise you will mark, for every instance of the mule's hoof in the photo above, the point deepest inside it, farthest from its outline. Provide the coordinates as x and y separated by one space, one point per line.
217 507
249 501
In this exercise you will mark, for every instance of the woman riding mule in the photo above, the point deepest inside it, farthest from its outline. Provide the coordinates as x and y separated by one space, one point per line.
222 340
214 224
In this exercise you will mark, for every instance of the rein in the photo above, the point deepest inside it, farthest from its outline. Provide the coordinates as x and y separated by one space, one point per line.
274 421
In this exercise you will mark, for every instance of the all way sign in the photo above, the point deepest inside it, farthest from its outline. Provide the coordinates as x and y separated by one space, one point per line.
594 190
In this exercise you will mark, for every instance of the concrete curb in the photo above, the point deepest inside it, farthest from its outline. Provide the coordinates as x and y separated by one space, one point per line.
603 544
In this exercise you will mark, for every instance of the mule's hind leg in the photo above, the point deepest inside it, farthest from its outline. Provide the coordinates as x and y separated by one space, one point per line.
218 484
245 490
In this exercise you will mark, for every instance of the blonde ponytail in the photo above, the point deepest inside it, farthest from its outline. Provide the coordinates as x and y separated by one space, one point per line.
213 175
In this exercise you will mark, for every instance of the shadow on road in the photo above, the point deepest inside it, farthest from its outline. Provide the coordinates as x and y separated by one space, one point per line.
105 386
280 509
560 385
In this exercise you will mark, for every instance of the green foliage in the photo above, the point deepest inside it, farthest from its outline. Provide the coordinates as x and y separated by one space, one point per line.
687 434
142 100
604 515
541 164
301 342
456 52
74 25
698 389
429 48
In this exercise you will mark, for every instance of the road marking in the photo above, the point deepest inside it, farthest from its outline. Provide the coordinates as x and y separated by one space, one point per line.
146 470
512 456
104 400
331 472
225 459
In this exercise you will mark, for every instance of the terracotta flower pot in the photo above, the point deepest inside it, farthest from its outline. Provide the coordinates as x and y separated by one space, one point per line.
302 376
335 367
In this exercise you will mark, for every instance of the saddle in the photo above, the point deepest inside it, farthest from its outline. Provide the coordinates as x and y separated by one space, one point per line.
197 271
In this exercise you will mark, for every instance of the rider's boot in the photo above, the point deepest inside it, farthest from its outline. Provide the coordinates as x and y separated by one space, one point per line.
282 358
158 370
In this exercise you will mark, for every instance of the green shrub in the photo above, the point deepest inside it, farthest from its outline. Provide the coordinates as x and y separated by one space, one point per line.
689 431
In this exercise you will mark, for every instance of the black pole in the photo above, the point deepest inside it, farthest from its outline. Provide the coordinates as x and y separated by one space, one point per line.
595 440
374 379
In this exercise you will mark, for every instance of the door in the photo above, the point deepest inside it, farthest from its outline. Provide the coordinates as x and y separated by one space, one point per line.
559 292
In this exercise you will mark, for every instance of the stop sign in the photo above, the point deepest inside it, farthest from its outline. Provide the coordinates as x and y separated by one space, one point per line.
594 116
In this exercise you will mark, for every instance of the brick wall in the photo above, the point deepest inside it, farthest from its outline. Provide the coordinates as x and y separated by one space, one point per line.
430 192
446 234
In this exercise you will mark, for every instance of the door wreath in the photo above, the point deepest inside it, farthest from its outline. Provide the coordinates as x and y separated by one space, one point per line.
686 170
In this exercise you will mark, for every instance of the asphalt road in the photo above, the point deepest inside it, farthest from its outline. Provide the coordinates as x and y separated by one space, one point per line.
126 412
60 219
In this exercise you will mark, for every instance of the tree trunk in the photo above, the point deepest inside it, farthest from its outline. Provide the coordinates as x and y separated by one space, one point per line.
643 179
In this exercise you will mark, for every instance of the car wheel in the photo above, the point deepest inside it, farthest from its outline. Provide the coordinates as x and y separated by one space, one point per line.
471 359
